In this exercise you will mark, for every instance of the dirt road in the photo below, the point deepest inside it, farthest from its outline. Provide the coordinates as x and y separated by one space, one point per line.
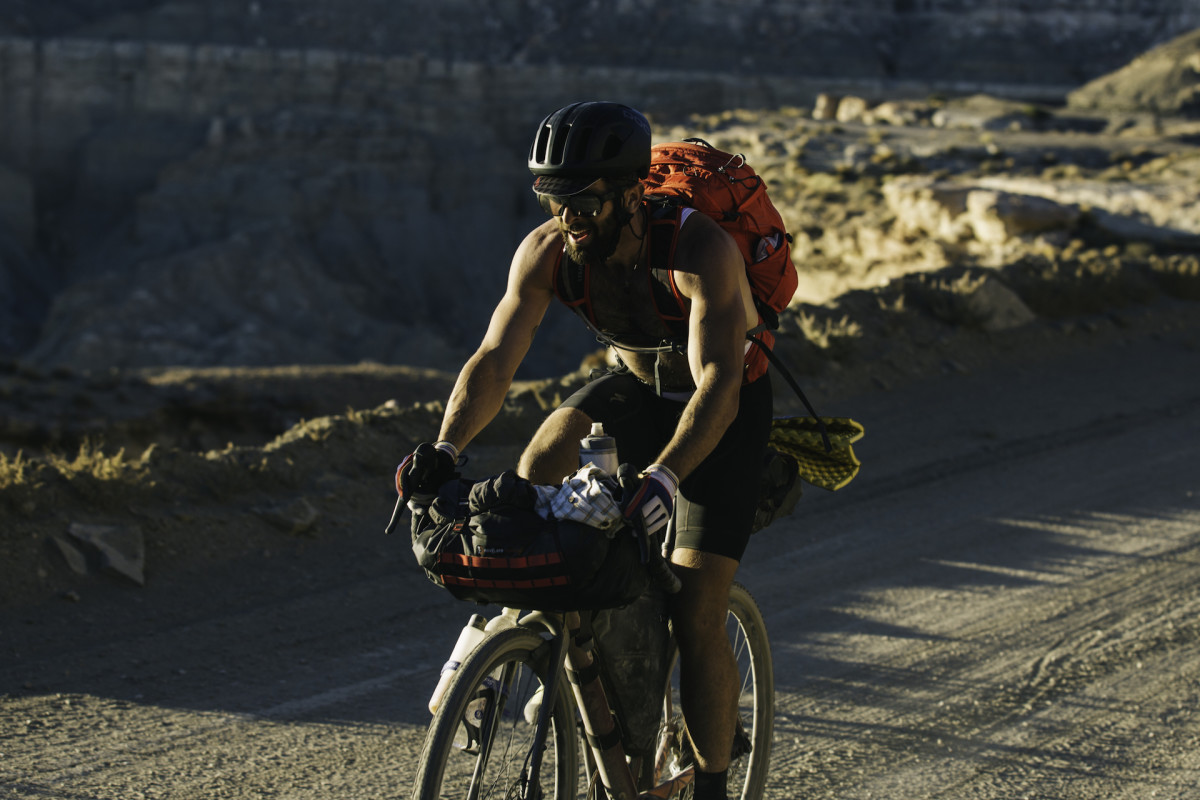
1003 605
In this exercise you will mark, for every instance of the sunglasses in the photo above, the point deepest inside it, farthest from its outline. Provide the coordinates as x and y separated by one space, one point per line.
581 205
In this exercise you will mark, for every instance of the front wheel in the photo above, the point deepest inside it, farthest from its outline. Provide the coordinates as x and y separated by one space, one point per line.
480 740
756 705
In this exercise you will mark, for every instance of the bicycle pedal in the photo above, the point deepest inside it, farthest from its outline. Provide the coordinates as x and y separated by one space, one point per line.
741 742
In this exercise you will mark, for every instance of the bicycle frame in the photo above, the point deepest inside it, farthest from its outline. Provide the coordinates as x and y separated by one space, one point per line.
574 659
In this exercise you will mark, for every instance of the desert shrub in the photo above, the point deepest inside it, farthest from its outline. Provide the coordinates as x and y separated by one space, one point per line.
13 470
91 461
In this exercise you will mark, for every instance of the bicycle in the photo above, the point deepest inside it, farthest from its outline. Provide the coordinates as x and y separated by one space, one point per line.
478 740
494 736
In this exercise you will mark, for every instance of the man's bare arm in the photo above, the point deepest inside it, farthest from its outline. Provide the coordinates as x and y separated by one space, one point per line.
482 385
717 327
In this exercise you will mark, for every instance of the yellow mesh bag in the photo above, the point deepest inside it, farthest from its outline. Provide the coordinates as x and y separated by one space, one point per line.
800 437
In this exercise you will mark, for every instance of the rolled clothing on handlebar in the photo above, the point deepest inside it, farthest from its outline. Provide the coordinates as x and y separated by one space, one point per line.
584 497
715 506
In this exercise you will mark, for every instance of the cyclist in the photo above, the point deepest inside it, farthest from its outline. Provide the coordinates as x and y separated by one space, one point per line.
695 419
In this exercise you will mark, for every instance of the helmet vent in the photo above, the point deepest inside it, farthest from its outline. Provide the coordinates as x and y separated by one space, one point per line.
541 144
612 147
558 145
579 146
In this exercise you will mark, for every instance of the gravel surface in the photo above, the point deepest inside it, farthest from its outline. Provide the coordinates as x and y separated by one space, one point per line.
1002 605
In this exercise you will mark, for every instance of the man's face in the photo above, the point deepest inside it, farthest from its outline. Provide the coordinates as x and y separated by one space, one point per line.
591 238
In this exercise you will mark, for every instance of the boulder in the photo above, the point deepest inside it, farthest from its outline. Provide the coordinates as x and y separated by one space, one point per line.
994 307
852 109
826 106
995 217
116 549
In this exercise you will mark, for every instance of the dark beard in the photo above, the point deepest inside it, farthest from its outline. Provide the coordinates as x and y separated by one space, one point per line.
603 242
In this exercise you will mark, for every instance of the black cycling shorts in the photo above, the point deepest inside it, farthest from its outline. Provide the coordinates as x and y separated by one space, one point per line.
714 510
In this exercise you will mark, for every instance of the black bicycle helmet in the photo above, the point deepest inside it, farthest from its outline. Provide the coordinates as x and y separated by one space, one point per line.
583 142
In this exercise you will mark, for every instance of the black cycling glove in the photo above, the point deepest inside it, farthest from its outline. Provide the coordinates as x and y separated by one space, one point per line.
425 470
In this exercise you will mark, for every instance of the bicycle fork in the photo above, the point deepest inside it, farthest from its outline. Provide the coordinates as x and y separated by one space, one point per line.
531 789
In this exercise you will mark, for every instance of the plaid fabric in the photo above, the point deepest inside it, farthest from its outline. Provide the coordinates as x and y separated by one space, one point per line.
583 497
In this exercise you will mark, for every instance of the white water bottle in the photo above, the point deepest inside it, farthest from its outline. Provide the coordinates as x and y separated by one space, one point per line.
471 636
599 449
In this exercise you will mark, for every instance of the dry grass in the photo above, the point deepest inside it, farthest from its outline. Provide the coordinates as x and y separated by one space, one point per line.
14 470
92 461
827 332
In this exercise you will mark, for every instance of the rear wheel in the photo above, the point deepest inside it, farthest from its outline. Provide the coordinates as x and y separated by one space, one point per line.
480 741
756 706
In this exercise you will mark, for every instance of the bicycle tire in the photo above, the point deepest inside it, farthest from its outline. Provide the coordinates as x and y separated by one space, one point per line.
761 701
445 770
756 705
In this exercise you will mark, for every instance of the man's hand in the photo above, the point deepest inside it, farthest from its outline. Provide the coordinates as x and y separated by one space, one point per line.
426 469
650 506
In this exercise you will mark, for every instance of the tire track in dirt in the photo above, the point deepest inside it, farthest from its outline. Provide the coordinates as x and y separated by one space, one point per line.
291 697
934 625
921 656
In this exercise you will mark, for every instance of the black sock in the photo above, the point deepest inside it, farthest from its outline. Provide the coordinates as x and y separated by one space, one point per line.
711 785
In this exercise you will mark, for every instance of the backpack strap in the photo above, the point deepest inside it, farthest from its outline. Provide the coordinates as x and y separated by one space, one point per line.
787 376
571 287
570 283
666 217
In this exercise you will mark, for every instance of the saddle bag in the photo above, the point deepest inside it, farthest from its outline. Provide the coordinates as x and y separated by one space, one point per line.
483 541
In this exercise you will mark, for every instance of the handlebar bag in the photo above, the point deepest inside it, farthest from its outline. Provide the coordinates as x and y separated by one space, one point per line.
483 541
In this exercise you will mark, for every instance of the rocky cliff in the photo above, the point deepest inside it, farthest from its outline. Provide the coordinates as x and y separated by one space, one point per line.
286 182
1056 42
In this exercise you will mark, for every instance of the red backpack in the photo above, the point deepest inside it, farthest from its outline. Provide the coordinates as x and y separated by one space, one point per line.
693 173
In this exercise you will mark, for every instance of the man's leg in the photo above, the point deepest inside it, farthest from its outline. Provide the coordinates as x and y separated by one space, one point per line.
707 667
553 453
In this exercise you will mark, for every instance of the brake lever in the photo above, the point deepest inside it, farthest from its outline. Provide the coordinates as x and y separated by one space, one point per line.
397 512
417 504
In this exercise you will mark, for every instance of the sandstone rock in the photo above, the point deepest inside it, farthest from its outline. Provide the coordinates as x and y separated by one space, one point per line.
994 210
1165 80
852 109
115 548
1171 205
375 165
995 307
894 112
985 113
995 217
826 106
304 238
